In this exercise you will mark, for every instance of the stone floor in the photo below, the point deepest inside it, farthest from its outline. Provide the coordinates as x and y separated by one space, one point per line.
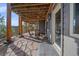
27 46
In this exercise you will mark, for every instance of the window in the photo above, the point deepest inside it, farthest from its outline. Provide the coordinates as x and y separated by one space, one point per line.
74 20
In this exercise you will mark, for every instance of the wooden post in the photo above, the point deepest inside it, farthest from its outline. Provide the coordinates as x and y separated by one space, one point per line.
26 27
20 25
9 31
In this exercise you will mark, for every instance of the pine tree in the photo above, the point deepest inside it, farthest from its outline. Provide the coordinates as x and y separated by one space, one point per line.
2 26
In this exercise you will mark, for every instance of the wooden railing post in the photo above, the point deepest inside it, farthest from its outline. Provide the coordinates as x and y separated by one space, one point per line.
9 32
20 25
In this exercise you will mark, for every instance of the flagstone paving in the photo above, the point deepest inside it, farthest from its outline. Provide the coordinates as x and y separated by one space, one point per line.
27 46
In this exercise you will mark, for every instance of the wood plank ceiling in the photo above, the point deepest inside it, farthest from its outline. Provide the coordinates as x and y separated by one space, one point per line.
31 11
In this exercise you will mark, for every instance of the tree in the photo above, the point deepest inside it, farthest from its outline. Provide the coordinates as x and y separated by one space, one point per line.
2 26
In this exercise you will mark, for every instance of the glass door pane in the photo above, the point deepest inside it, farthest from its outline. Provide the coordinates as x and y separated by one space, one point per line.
58 28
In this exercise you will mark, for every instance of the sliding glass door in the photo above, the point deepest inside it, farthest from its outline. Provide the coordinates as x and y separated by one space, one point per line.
58 28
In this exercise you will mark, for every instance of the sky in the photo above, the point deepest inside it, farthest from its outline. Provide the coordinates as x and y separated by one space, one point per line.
3 12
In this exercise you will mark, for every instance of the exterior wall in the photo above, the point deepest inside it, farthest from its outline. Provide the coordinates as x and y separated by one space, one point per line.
49 30
71 44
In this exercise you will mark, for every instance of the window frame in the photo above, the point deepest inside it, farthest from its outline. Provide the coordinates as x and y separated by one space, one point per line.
71 22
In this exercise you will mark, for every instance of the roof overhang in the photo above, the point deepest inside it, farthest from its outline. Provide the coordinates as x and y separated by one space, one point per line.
32 11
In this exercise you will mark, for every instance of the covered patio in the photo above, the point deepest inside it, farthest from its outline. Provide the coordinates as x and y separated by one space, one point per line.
29 13
32 42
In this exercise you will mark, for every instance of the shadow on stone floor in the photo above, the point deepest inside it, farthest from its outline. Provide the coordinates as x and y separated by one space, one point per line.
37 39
18 51
3 50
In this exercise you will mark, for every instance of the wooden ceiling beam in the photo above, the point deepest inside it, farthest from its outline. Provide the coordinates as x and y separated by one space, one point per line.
32 8
28 5
32 20
28 14
43 14
31 11
33 17
37 16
